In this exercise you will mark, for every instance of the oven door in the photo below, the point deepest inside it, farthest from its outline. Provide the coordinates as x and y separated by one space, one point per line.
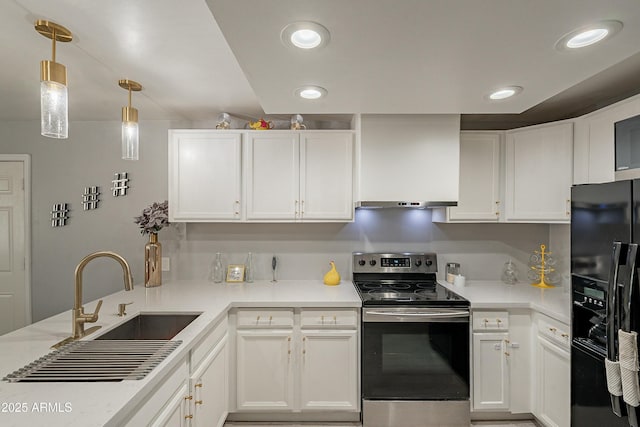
415 353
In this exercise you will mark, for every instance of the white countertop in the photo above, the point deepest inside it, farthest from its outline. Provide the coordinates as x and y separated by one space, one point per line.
554 302
104 403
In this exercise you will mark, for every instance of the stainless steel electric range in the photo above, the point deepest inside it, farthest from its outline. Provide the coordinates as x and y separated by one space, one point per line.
415 343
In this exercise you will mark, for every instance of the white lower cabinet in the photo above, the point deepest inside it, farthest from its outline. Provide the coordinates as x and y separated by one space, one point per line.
297 361
501 361
491 371
329 370
264 379
209 386
553 372
176 411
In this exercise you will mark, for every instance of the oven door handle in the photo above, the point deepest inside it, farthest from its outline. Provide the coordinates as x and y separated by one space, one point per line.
443 314
434 316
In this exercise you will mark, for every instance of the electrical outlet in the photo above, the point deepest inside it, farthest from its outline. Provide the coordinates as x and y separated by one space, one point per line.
166 263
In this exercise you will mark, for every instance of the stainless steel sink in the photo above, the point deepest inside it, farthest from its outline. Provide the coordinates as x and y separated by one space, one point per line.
161 326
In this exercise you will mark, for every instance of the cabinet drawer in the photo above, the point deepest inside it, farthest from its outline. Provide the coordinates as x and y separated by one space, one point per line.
265 318
207 343
328 318
554 331
490 321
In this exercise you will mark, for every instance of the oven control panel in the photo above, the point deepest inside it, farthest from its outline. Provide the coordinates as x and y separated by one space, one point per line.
408 262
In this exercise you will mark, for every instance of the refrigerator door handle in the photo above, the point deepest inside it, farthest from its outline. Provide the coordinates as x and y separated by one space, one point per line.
625 323
612 317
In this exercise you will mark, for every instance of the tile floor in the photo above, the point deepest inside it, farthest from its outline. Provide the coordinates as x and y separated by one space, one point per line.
473 424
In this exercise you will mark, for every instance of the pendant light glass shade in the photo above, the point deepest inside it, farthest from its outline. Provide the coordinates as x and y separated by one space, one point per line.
130 140
54 111
130 136
54 105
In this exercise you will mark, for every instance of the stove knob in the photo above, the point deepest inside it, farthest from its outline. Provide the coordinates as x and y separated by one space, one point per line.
372 262
362 262
428 262
418 263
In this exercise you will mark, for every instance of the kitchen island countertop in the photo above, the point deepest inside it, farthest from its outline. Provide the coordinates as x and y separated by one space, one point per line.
109 403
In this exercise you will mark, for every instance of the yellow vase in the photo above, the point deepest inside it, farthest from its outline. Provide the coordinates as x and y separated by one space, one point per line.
332 278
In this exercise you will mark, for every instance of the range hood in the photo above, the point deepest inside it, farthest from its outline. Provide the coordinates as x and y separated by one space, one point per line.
403 205
409 161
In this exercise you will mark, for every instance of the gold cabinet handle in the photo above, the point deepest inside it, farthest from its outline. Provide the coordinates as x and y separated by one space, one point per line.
553 330
564 335
302 208
296 209
198 385
335 320
188 417
497 207
237 212
568 207
506 353
304 344
289 345
198 402
188 398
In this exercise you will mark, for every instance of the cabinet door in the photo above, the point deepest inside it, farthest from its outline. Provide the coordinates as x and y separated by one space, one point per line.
210 388
539 174
176 411
329 370
204 175
273 176
479 178
326 171
264 370
553 385
490 371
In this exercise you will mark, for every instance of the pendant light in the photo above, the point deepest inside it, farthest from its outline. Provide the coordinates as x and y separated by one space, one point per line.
130 138
54 112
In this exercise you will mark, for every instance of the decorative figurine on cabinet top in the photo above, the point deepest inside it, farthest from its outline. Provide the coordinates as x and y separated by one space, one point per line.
261 124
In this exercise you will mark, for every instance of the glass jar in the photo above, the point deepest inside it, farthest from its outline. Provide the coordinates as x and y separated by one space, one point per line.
452 270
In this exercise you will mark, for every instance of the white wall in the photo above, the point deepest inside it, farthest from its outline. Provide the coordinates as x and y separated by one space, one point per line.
91 155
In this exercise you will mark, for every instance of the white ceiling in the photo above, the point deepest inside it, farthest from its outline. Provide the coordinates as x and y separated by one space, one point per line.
402 56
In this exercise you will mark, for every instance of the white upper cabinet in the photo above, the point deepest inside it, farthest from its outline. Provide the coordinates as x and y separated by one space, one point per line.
595 141
539 173
409 157
326 176
273 176
306 176
261 176
479 180
204 175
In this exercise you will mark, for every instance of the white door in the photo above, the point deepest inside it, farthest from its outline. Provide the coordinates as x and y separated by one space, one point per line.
539 174
326 171
273 176
204 175
13 280
329 370
479 178
554 385
210 388
490 371
264 370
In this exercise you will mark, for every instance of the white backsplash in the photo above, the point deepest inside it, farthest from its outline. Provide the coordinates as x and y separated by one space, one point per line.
304 250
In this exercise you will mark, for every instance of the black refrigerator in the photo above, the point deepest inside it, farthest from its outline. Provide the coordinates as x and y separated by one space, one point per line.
603 277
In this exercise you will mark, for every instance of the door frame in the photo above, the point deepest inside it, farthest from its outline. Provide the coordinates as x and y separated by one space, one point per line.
26 161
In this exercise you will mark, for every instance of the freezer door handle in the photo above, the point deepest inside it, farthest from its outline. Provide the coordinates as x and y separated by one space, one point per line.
613 316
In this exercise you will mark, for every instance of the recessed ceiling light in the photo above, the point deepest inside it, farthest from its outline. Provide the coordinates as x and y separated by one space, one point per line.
304 35
505 92
588 35
311 92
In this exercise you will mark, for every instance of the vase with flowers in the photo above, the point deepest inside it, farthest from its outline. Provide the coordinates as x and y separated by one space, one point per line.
153 219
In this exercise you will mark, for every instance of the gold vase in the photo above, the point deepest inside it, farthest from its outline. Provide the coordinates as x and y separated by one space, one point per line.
153 262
